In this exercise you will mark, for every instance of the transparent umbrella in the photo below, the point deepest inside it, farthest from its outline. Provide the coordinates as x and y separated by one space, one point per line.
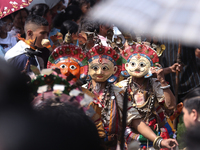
177 19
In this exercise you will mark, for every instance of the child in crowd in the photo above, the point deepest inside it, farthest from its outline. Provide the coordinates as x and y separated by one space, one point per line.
19 18
7 41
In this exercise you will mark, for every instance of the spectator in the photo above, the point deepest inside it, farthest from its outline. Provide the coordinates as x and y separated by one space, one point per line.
43 11
191 138
13 86
57 22
57 8
19 18
84 5
72 13
72 28
60 127
189 77
35 26
87 26
22 129
9 21
7 41
61 6
191 109
197 54
76 125
103 29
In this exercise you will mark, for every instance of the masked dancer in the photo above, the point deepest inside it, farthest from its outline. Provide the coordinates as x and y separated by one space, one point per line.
104 68
152 97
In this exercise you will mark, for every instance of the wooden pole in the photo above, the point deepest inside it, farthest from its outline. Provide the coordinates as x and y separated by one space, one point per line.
124 115
175 122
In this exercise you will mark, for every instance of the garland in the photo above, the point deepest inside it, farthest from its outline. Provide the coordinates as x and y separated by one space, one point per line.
105 102
148 106
49 80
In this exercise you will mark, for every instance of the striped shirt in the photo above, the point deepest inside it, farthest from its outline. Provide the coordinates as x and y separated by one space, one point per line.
189 77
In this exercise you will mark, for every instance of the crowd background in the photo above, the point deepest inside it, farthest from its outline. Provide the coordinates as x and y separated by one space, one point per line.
68 16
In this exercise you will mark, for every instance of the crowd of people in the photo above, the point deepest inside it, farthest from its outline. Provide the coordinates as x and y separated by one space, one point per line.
70 82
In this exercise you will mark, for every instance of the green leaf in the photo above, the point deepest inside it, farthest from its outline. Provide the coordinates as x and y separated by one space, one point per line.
51 59
119 61
35 70
85 61
123 60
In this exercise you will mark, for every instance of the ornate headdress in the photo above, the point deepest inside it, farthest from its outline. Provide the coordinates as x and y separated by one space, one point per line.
140 50
108 53
70 51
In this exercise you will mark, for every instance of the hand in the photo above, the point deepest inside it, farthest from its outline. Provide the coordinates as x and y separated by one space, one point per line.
176 67
158 72
169 143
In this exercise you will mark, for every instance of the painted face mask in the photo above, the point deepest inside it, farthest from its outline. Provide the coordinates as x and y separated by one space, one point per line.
104 64
101 71
68 66
69 59
138 60
138 66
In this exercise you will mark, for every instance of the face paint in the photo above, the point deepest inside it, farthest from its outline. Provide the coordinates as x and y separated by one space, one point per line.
68 66
138 66
100 72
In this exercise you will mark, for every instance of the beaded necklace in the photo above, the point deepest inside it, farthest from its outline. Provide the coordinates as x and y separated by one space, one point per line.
148 106
107 96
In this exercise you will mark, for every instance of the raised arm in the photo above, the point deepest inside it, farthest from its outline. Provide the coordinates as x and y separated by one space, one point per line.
172 69
170 100
146 131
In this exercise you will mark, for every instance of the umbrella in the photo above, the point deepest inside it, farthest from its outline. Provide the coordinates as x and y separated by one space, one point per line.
50 3
7 7
177 19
